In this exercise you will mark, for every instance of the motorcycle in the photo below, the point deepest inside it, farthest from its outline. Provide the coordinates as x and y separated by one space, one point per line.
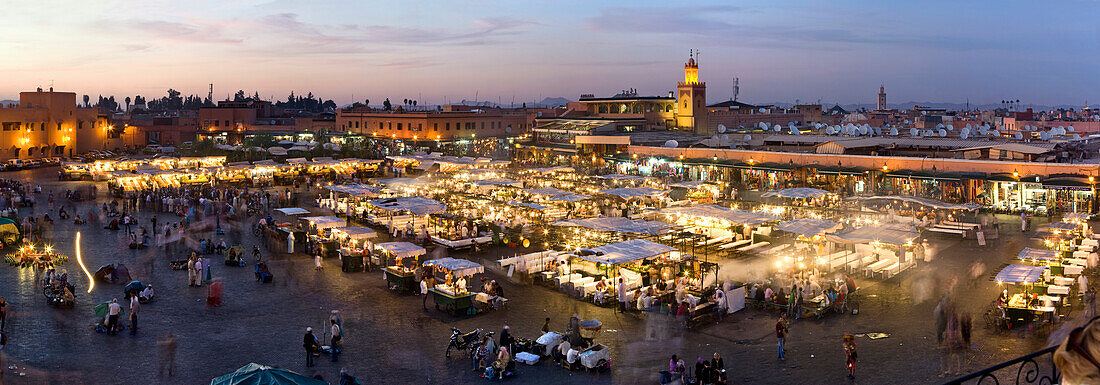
463 341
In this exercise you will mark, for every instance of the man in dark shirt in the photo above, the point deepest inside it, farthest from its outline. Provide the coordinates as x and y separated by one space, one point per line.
781 334
309 342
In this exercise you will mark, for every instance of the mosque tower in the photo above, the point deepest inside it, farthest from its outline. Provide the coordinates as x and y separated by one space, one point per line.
691 106
881 98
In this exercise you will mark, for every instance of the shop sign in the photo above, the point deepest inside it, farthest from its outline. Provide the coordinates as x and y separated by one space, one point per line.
1032 186
1067 188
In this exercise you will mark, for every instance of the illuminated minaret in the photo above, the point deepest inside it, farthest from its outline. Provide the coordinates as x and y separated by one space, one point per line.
691 106
881 98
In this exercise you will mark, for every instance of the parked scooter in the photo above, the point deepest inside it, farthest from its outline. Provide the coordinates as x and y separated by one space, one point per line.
463 341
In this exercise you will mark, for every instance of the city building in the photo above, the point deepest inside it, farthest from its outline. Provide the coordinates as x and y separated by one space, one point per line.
233 121
48 123
447 124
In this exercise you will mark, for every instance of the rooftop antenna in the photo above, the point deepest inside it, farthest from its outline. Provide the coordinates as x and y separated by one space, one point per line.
210 95
736 87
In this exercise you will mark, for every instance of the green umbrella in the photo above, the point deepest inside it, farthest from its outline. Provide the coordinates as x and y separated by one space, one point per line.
101 309
256 374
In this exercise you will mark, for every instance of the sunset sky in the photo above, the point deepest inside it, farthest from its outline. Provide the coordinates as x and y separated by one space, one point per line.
1044 52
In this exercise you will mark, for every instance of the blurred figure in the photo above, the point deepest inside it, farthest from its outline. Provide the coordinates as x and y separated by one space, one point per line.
1078 357
167 347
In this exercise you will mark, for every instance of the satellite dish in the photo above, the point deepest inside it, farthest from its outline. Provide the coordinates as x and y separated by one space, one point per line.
671 143
1044 135
762 110
1076 136
1070 128
968 126
508 129
864 130
950 127
725 137
1019 136
721 128
893 131
777 128
714 137
878 131
1060 131
790 124
941 132
828 130
983 130
964 134
914 132
748 138
907 121
763 126
939 126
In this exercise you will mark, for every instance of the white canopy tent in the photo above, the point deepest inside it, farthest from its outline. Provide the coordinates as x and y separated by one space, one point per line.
623 252
923 202
893 234
354 233
457 267
808 226
324 221
618 224
417 205
733 216
796 193
621 177
634 192
570 198
400 249
547 191
293 211
356 190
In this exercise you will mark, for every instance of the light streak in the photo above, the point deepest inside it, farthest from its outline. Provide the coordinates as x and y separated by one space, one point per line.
91 280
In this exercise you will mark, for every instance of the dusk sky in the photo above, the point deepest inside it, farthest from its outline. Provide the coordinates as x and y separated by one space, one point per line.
1043 52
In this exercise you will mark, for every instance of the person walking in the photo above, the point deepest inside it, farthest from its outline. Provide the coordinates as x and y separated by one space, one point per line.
3 312
167 354
798 305
113 311
427 283
191 270
135 306
850 353
781 331
317 262
198 271
621 291
309 342
337 339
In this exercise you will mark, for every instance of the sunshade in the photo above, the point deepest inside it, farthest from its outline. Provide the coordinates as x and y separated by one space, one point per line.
101 309
8 226
570 198
1076 217
498 182
356 232
1020 274
619 177
1063 226
134 285
256 374
733 216
534 206
1039 254
796 193
324 221
808 226
292 211
458 267
923 202
690 184
634 192
357 190
626 251
546 191
398 182
401 249
894 234
619 224
546 170
416 204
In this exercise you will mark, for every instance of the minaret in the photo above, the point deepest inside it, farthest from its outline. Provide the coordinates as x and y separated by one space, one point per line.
881 98
691 106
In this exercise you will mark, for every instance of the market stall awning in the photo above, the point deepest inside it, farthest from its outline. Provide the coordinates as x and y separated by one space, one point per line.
691 184
547 191
894 234
256 374
324 221
292 211
498 182
457 267
401 249
1039 254
796 193
1020 274
623 252
808 226
533 206
571 198
547 170
618 224
355 232
417 205
1076 217
621 177
357 190
923 202
634 192
1064 226
400 182
733 216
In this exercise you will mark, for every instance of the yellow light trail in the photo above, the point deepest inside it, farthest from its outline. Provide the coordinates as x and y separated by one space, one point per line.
91 280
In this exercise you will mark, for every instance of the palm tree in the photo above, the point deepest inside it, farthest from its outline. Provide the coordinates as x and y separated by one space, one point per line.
127 104
86 98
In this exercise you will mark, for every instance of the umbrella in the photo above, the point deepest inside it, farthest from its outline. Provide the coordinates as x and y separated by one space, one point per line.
120 274
101 309
104 272
256 374
134 286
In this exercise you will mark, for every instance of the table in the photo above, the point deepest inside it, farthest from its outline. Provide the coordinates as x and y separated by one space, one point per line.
400 280
452 303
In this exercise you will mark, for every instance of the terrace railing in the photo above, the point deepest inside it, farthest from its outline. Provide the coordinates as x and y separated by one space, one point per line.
1035 368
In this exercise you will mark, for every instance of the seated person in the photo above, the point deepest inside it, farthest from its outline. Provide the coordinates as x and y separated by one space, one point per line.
759 297
562 350
504 359
79 220
571 358
1003 299
146 294
67 295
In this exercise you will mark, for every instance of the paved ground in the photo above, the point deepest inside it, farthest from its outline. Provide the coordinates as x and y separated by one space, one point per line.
390 339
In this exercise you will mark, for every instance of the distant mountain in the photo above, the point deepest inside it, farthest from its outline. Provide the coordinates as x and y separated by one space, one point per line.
947 106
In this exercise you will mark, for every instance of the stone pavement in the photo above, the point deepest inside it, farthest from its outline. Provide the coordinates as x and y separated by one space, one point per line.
390 339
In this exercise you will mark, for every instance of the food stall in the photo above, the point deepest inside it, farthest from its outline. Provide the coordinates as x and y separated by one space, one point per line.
451 294
454 232
884 250
348 199
401 211
76 171
696 191
1033 302
316 226
401 274
285 227
40 258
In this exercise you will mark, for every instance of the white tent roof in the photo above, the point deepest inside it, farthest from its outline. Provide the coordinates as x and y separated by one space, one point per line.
1039 254
458 267
796 193
324 221
923 202
620 224
690 184
570 198
734 216
626 251
546 170
808 226
296 160
292 211
535 206
396 182
416 204
356 232
547 191
634 192
618 177
893 234
498 182
1080 217
401 249
355 189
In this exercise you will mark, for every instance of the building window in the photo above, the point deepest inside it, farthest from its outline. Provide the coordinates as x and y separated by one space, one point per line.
435 126
389 125
380 125
398 126
668 108
482 125
603 108
227 123
59 126
217 123
448 126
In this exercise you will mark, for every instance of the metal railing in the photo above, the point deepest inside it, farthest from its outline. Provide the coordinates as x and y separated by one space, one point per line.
1028 371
